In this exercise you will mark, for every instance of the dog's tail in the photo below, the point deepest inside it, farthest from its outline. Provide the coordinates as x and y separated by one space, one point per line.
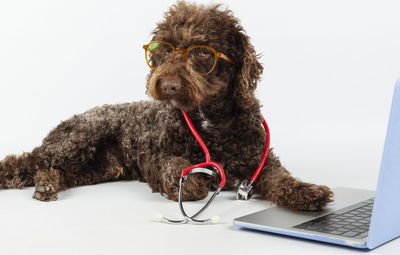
17 172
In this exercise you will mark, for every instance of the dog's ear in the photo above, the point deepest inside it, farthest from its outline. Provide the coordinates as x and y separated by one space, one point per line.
249 71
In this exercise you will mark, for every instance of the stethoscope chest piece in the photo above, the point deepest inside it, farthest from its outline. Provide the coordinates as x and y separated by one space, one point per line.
245 190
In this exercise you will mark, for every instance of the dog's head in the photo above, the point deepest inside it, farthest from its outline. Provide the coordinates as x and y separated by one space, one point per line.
186 74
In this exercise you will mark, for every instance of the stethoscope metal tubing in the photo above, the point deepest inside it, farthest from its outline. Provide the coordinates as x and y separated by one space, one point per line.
192 219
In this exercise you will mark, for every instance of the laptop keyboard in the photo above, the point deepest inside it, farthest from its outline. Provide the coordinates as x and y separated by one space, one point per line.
352 221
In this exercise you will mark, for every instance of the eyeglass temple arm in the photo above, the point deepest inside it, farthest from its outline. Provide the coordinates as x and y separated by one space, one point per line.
224 57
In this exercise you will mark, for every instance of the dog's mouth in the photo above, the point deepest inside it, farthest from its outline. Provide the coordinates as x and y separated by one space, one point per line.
175 91
178 102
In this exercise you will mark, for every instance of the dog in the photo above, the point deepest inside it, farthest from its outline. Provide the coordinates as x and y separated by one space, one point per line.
201 60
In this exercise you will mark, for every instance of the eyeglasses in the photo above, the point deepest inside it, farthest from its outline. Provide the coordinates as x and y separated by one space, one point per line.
202 58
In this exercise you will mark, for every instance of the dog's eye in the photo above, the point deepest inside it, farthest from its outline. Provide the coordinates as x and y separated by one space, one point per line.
203 53
168 51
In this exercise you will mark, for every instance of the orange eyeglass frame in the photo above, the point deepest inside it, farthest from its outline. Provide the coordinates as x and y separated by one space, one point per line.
217 54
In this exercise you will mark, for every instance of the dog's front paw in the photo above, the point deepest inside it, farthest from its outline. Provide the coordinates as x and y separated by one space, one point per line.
310 197
45 191
195 188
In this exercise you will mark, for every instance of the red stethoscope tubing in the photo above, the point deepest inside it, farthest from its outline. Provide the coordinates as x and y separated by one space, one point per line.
265 154
208 161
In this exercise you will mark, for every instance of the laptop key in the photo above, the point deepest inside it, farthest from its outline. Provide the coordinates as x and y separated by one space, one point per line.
315 227
363 228
305 225
358 230
327 230
347 214
335 232
350 234
363 235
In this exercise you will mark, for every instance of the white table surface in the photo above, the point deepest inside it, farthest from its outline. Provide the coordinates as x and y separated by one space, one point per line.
119 218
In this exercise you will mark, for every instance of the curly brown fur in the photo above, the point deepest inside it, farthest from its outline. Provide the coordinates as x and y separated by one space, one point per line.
150 141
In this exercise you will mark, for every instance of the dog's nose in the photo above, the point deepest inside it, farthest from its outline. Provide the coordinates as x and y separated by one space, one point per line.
171 85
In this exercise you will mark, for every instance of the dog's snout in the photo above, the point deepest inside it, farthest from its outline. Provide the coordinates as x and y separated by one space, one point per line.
171 85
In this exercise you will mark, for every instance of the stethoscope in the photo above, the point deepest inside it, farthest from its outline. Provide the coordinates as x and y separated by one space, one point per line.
245 189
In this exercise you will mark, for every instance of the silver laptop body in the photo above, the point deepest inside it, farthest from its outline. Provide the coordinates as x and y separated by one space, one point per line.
357 218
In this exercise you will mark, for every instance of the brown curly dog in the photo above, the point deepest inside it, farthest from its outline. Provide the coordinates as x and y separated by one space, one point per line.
149 141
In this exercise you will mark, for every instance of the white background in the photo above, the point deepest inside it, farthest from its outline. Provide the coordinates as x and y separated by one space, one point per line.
330 68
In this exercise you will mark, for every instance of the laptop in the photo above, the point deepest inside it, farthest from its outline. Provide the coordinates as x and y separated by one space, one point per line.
358 218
